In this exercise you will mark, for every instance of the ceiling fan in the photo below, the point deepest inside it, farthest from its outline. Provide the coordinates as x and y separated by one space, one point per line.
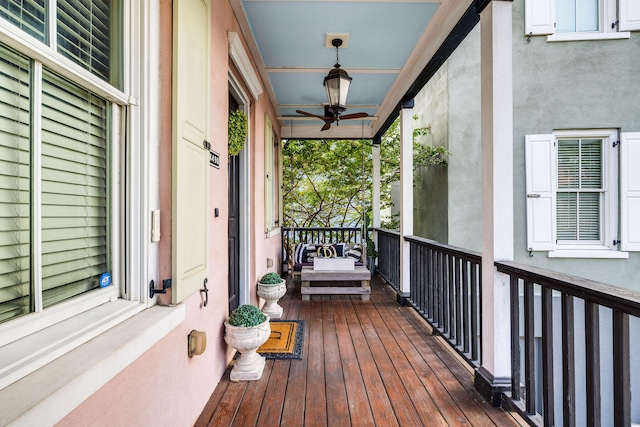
329 117
337 86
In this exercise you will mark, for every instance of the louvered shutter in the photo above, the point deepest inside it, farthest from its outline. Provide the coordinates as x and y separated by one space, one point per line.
15 216
540 185
539 17
629 15
75 220
630 191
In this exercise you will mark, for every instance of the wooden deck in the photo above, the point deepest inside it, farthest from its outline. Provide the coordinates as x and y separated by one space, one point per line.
365 363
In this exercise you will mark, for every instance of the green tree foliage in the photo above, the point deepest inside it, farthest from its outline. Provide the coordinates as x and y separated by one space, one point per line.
327 183
323 182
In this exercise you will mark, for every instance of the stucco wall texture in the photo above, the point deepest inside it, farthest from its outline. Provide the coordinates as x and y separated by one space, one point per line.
164 387
557 85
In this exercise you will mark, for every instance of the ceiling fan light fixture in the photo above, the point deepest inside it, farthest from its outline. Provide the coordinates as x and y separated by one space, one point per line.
336 84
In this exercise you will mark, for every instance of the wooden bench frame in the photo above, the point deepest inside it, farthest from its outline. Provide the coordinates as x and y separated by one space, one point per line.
360 273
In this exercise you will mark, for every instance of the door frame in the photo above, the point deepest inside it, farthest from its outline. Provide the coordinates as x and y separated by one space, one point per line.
244 104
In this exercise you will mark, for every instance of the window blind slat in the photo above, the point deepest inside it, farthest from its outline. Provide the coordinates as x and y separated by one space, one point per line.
579 189
28 15
74 190
84 34
15 215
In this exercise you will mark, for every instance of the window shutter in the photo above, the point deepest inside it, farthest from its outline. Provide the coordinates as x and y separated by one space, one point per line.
629 15
190 220
75 208
539 17
15 216
540 183
268 174
630 191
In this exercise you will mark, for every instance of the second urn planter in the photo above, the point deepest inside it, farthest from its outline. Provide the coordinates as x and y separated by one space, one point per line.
271 288
246 330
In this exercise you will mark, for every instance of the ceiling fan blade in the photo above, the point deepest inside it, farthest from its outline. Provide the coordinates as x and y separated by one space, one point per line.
327 119
326 126
304 113
354 116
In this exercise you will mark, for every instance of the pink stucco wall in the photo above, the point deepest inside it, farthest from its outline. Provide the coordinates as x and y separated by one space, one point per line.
164 387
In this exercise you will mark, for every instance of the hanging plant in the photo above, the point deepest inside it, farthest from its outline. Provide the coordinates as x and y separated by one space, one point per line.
237 132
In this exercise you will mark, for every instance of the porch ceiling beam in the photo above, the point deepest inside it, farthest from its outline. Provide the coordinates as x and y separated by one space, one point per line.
326 69
302 106
301 118
335 132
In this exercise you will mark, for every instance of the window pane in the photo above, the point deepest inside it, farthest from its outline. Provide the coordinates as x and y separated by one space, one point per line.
75 242
589 222
28 15
567 216
568 163
577 205
587 15
577 16
566 16
15 153
86 35
591 163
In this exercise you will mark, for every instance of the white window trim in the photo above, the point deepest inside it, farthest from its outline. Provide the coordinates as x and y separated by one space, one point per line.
610 209
30 349
610 177
605 253
577 37
616 19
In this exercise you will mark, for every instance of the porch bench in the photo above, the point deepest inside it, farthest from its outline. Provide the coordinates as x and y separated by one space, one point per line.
305 259
360 274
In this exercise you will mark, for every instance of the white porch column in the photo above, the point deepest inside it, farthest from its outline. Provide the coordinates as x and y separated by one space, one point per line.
497 194
406 195
375 190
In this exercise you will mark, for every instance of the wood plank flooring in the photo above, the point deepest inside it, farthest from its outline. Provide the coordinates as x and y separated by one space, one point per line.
365 363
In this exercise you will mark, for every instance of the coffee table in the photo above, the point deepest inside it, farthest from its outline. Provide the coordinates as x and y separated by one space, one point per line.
359 273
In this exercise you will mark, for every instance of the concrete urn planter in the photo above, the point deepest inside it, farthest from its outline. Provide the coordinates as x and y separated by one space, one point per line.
249 366
271 293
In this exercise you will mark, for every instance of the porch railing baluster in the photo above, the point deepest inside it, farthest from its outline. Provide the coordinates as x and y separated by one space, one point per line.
592 359
529 349
548 404
564 301
444 289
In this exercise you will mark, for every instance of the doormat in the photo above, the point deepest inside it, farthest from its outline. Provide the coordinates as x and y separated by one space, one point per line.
286 340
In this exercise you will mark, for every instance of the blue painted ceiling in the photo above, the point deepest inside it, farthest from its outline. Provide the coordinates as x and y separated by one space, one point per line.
287 39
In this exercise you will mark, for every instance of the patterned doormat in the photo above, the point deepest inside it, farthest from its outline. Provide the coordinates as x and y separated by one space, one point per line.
286 340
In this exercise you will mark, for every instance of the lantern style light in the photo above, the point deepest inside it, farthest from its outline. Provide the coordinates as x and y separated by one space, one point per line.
337 85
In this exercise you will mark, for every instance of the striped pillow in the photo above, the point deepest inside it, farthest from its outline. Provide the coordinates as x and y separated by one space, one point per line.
300 253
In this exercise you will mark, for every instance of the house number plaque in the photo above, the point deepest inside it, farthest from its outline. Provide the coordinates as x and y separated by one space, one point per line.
214 159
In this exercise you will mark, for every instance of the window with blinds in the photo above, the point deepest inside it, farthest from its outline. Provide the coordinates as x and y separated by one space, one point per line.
580 193
85 34
75 202
28 15
15 164
86 31
54 187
